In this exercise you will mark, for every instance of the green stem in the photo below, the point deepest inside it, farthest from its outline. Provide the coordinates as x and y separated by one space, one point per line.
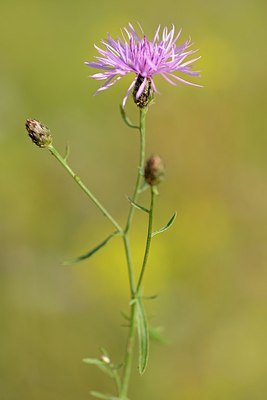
140 174
129 355
134 198
78 180
117 382
131 336
129 263
148 241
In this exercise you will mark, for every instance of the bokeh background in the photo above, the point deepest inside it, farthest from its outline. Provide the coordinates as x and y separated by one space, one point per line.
209 270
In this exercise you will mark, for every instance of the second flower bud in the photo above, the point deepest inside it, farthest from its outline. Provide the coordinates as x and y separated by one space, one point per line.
154 170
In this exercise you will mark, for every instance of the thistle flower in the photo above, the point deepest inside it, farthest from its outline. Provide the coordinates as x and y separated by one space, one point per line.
145 59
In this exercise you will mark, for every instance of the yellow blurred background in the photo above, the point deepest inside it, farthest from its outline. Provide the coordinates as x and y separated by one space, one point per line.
209 270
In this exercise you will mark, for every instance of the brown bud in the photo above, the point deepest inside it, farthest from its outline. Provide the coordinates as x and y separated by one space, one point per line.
39 133
154 171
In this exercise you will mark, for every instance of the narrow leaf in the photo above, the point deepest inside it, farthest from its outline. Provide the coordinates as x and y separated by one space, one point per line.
99 395
165 227
143 336
133 203
67 152
91 252
126 119
100 364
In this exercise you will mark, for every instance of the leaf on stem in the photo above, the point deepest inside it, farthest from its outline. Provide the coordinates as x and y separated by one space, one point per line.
91 252
126 119
165 227
143 335
138 206
99 395
102 365
67 152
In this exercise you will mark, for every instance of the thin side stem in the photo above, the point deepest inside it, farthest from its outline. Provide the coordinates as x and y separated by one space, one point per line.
78 180
148 241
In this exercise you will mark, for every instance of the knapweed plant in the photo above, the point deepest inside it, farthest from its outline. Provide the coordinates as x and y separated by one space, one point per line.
132 54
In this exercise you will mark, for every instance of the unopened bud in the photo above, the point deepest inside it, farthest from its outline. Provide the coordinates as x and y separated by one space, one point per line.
147 95
39 133
154 171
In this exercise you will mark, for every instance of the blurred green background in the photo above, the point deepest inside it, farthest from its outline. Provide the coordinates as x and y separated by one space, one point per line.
209 269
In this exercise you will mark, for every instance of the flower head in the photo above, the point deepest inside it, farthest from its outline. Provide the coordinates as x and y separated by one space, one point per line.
145 59
39 133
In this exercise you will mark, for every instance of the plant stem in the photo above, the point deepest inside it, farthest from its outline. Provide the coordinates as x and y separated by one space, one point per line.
131 336
78 180
148 241
129 263
134 290
117 381
129 355
140 174
134 198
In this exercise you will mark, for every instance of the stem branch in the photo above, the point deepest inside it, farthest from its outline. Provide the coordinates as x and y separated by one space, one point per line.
78 180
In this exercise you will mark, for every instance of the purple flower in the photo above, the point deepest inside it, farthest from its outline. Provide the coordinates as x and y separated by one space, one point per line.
144 58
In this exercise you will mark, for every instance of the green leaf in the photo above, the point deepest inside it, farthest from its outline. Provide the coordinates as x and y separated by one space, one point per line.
99 395
126 119
67 152
143 336
91 252
101 365
133 203
165 227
